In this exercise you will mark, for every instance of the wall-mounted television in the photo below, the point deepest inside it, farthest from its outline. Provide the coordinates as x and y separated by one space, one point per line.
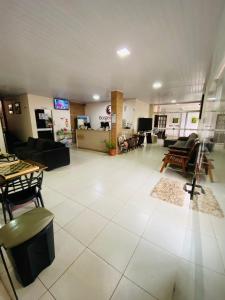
61 104
144 124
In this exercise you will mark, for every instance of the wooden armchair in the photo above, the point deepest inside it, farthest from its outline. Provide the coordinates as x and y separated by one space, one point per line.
181 157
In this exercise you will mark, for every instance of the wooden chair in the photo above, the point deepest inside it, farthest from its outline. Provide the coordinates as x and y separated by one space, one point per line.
208 166
122 144
181 157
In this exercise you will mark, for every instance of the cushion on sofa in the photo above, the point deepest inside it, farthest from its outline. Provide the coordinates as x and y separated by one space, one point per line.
180 144
24 152
43 145
31 142
59 145
191 140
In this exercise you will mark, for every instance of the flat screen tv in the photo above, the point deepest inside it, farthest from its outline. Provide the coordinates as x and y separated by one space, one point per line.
61 104
144 124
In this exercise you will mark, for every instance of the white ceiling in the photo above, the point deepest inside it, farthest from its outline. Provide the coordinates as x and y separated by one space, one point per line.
68 48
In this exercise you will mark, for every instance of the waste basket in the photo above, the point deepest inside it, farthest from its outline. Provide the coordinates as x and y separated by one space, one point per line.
29 243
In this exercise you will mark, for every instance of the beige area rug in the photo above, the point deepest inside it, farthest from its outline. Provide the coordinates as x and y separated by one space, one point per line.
207 203
171 191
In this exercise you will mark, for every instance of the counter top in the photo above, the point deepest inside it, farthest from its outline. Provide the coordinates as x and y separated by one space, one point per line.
92 139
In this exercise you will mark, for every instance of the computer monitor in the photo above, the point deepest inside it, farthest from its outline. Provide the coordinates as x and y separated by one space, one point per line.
104 124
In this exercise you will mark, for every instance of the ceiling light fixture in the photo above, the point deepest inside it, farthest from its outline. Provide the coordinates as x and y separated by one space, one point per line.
123 52
211 98
173 101
96 97
157 85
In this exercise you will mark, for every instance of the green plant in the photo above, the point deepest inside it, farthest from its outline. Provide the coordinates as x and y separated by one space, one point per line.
110 145
64 132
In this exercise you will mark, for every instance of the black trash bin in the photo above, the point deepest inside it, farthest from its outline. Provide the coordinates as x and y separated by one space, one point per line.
29 243
149 138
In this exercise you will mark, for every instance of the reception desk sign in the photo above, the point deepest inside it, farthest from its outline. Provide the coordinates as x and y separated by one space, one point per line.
106 117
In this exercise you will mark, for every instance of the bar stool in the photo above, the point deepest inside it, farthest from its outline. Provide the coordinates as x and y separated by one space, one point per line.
29 244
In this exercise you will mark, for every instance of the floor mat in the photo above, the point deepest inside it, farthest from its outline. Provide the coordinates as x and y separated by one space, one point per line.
170 191
207 203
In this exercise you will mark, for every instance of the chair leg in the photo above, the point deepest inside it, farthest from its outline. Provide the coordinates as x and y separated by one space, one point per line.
36 203
4 213
9 211
164 165
8 274
183 167
41 199
210 174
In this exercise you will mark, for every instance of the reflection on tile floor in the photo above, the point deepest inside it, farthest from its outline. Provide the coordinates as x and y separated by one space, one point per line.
114 241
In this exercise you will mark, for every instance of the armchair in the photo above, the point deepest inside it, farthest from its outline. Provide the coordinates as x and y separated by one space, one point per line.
181 156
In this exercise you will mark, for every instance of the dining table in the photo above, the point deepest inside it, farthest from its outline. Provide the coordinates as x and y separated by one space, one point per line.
19 168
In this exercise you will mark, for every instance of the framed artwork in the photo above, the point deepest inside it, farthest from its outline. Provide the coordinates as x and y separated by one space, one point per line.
10 109
194 120
175 120
17 108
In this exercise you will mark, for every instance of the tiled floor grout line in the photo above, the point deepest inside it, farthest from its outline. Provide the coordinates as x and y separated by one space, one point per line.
142 238
48 288
203 267
123 274
197 264
111 221
217 242
87 247
92 239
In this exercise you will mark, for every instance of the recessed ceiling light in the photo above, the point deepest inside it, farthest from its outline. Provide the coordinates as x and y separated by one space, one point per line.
123 52
96 97
173 101
212 98
157 85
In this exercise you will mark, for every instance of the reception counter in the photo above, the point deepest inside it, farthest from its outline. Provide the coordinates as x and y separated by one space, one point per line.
92 139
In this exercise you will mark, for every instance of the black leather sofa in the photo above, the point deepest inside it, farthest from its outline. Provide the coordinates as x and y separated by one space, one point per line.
51 154
184 143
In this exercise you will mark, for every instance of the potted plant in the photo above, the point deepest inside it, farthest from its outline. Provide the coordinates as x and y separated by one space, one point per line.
111 147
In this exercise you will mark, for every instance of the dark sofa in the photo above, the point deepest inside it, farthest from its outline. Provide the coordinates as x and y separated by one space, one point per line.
184 143
51 154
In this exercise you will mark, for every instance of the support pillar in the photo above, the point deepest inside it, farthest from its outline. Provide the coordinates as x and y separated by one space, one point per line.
117 116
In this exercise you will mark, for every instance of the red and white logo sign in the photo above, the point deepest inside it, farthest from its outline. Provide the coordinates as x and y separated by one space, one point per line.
108 109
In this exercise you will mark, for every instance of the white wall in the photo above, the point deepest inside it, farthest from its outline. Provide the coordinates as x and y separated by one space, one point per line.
179 107
219 52
132 110
60 117
215 79
2 141
129 107
97 113
141 111
19 124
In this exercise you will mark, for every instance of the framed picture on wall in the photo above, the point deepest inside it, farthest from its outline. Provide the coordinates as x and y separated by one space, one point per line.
10 109
175 120
17 108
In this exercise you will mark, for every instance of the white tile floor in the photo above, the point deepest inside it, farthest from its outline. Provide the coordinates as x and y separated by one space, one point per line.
114 241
